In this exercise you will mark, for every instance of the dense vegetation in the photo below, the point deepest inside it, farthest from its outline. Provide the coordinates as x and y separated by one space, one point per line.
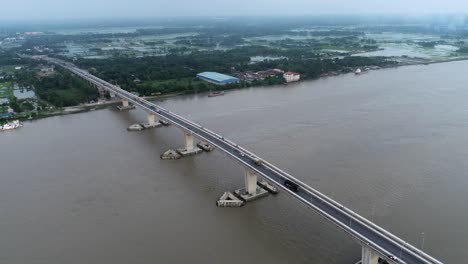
60 89
227 48
175 72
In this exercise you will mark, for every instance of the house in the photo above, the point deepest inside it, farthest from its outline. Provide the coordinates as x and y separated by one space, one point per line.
291 76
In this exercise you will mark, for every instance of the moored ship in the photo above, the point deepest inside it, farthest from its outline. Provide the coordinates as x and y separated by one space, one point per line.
359 71
11 125
215 93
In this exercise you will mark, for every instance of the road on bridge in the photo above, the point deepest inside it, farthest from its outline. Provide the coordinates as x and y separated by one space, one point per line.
365 232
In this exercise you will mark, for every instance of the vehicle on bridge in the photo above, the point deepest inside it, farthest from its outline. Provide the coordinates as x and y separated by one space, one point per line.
257 161
395 259
291 185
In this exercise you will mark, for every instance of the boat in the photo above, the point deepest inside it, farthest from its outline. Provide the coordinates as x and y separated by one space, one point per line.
359 71
216 93
11 125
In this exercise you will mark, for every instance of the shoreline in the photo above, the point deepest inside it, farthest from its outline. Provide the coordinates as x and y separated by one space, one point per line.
431 62
105 104
68 110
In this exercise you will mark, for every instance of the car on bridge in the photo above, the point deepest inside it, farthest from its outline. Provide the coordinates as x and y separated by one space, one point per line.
291 185
395 259
154 108
257 161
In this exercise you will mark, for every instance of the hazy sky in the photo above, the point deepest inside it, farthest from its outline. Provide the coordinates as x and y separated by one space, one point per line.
53 9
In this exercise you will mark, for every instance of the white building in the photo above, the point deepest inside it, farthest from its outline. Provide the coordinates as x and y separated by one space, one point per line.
291 76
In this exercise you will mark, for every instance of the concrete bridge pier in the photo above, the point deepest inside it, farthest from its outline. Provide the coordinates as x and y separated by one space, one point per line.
369 256
102 92
125 105
151 121
189 149
250 179
188 141
251 191
112 95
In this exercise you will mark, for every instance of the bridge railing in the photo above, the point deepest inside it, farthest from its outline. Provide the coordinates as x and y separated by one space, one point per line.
350 212
273 168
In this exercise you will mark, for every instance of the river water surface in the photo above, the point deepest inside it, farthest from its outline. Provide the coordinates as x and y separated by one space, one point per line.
391 145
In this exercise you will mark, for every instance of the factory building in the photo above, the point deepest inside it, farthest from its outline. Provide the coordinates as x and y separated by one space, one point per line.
217 78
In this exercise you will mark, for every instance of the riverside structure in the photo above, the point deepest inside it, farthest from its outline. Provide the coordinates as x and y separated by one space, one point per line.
217 78
376 242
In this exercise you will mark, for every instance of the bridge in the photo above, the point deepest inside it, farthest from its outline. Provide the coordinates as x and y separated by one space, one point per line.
377 243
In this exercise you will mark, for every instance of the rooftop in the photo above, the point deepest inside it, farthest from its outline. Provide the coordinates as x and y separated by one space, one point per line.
2 115
217 77
291 73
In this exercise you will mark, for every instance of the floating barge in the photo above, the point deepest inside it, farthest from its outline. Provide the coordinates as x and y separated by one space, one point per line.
216 93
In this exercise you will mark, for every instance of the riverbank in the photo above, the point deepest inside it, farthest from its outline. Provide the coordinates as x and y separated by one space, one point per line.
78 108
381 131
403 63
105 104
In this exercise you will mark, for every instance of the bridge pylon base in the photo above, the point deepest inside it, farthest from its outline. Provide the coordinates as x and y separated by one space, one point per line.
189 149
187 152
247 197
228 199
124 108
125 105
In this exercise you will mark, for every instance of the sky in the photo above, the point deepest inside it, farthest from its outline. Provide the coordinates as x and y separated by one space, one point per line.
62 9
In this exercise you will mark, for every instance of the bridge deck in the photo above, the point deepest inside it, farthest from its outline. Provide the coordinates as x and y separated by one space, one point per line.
366 232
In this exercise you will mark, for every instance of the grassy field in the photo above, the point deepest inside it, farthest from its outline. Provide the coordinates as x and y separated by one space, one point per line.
6 89
168 86
181 82
9 69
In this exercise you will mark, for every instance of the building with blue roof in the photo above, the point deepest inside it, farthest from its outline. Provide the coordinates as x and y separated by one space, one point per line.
6 115
217 78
